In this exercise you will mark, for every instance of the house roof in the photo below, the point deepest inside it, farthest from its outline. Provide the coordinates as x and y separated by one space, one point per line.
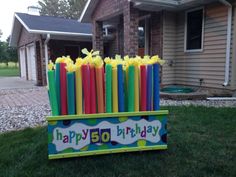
153 5
48 25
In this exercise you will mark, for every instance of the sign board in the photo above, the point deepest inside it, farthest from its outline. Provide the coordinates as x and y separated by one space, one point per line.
92 134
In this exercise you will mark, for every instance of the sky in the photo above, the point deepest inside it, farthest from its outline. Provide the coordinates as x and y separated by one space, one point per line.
7 10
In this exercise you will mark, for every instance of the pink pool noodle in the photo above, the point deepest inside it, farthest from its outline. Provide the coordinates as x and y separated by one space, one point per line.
86 88
93 103
143 86
63 90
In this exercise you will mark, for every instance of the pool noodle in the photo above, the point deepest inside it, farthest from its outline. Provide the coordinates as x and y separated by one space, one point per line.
108 88
143 86
63 90
114 90
149 87
86 88
126 89
53 93
100 89
121 104
131 89
71 93
79 98
156 87
136 89
93 102
57 78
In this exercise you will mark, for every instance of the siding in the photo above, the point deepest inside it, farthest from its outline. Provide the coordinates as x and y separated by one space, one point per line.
233 51
169 47
189 68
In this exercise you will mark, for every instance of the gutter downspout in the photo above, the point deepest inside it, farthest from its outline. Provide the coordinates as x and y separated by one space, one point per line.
229 29
46 54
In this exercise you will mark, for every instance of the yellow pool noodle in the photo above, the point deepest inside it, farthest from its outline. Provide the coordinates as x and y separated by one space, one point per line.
78 76
136 88
114 90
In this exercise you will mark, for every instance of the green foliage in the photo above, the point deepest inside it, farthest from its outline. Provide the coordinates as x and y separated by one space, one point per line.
7 53
11 52
3 52
201 142
62 8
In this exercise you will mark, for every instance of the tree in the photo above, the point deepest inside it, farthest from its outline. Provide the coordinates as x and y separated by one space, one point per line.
11 52
3 52
7 53
76 8
62 8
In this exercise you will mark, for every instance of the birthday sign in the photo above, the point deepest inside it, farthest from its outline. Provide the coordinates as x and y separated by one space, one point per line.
80 135
108 134
105 105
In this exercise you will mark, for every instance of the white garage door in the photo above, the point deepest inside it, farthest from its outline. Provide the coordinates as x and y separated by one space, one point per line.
22 63
31 63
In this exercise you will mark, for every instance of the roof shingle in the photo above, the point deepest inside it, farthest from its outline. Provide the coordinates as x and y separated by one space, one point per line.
49 23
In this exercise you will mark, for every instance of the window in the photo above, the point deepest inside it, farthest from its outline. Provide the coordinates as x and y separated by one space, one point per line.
194 30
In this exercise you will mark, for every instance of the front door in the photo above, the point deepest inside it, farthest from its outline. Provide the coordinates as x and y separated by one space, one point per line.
144 35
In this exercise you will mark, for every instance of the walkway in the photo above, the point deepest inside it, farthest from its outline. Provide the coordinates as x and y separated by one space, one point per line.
15 82
15 91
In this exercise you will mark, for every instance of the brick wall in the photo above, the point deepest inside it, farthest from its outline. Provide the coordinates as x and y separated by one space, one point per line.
38 63
126 42
156 41
26 38
114 8
108 8
98 37
130 30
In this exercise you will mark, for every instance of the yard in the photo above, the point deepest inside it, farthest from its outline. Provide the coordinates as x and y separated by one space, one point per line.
201 142
11 70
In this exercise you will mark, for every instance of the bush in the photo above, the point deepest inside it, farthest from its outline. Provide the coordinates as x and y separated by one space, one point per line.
9 65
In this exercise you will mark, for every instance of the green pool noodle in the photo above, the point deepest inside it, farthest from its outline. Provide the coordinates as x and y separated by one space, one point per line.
108 88
57 78
131 89
70 92
52 92
125 92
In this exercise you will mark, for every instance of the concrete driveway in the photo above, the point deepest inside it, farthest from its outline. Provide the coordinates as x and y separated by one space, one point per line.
15 82
15 91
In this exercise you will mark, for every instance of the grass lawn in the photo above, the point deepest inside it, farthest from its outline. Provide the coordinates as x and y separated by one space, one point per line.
201 143
9 71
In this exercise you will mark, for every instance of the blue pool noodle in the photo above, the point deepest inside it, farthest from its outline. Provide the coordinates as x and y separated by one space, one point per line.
149 87
121 101
156 87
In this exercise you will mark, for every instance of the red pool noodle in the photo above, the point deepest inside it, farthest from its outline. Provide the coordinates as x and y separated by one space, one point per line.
63 90
143 86
86 88
93 103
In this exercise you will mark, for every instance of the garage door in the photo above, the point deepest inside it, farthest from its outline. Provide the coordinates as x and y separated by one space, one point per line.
22 63
31 63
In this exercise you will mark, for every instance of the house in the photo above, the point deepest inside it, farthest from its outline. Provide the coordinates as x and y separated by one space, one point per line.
197 38
43 38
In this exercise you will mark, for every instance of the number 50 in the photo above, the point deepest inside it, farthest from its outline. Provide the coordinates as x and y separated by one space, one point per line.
100 136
